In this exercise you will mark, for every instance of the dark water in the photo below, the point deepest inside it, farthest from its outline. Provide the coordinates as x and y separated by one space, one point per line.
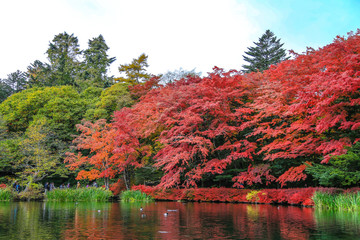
36 220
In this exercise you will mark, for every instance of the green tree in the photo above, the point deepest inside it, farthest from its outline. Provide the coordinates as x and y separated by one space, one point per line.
15 82
135 72
39 74
63 54
267 51
341 171
96 63
37 161
5 90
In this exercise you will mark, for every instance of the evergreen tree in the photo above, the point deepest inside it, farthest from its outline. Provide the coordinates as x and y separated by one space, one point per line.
96 63
268 51
135 71
39 74
63 55
15 82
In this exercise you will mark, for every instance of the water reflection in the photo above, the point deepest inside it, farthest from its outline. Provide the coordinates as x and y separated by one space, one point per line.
36 220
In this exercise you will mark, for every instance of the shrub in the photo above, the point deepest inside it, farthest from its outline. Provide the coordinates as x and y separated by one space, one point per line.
6 194
253 196
33 192
117 187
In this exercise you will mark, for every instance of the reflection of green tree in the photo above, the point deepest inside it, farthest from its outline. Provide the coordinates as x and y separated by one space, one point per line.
35 220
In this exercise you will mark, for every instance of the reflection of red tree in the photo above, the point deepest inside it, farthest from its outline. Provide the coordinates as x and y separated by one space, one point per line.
192 220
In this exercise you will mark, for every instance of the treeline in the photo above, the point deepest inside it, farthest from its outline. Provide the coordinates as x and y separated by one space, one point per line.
295 124
40 107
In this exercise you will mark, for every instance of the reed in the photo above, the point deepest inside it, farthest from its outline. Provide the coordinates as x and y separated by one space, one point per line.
90 194
6 195
345 201
135 196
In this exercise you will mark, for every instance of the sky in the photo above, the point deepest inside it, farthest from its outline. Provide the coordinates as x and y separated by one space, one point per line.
188 34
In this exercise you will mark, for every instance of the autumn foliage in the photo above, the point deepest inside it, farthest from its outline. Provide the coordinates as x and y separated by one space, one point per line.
292 196
267 127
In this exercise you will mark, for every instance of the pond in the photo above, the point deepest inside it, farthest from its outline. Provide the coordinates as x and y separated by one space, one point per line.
49 220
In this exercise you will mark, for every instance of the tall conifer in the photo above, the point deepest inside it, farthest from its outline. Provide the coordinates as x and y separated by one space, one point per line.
267 51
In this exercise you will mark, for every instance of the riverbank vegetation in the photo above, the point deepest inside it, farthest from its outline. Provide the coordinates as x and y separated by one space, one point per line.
90 194
6 194
135 196
343 202
295 124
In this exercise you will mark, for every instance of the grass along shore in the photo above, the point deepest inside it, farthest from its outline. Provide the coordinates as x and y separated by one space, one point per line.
341 202
135 196
90 194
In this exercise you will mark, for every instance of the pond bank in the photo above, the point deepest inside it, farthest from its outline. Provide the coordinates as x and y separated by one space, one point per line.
290 196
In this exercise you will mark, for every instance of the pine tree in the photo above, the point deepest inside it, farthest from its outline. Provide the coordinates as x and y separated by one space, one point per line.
96 63
268 51
135 71
63 54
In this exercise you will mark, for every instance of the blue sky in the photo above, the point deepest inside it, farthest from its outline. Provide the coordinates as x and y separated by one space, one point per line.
190 34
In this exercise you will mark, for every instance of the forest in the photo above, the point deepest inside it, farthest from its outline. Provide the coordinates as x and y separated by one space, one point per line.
293 124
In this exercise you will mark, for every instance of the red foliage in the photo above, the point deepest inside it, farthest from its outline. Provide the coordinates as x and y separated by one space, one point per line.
141 89
292 196
294 174
97 137
254 175
301 109
309 97
189 115
112 148
117 187
2 185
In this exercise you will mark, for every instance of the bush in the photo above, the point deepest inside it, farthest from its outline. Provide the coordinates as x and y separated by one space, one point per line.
135 196
33 192
6 194
90 194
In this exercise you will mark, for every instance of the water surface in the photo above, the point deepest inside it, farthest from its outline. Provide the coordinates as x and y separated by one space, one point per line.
42 220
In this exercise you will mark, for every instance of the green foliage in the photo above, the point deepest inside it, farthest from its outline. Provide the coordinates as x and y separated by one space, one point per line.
268 51
90 194
37 161
62 106
135 196
253 196
39 74
135 72
147 175
341 171
63 54
6 194
112 99
15 82
341 202
5 90
33 191
95 65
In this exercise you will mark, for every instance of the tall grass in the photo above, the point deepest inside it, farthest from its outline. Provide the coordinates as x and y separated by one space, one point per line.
6 194
346 201
90 194
135 196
